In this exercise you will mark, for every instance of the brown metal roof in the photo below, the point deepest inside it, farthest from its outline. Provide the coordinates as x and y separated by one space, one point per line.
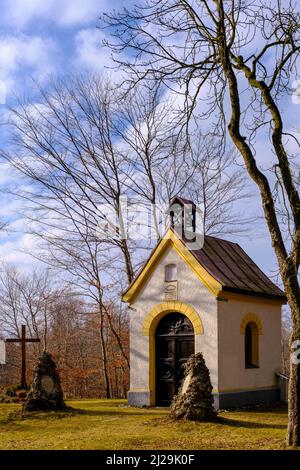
228 263
181 200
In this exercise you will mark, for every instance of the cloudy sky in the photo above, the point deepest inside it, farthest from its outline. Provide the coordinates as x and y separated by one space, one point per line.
40 38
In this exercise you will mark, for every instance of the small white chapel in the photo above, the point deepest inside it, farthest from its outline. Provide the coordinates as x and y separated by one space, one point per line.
213 300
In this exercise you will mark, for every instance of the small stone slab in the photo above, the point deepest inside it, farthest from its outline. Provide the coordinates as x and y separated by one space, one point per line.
47 383
186 384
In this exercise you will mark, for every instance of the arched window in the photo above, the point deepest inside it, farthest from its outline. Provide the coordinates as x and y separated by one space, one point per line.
251 345
171 272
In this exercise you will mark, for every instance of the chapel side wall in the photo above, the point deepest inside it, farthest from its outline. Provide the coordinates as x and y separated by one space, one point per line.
233 375
139 353
190 291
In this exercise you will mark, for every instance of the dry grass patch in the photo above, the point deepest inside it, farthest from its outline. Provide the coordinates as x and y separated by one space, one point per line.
109 424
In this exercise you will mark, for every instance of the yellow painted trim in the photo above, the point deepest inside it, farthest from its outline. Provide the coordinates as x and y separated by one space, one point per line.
152 369
171 240
214 286
159 310
143 276
248 318
251 298
149 327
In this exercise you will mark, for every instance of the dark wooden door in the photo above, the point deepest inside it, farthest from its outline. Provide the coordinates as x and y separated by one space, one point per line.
174 343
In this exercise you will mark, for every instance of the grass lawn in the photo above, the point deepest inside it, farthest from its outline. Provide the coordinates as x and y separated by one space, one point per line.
109 424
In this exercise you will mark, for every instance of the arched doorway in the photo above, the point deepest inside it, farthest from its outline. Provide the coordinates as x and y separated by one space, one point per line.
174 343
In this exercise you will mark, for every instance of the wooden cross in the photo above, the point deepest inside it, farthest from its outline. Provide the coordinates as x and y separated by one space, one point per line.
23 340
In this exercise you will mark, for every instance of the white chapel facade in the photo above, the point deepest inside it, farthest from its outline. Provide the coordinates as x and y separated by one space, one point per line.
213 300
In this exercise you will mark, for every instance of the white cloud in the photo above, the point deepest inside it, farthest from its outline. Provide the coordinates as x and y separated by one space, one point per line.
18 251
90 54
23 51
33 55
6 175
62 12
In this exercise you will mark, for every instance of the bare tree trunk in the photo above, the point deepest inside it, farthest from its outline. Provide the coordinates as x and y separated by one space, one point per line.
104 357
224 60
293 430
128 262
117 336
287 264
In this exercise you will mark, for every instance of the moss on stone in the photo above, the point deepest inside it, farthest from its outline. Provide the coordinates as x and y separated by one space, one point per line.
40 396
194 400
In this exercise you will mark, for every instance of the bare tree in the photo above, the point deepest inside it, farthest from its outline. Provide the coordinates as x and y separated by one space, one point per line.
65 145
165 167
85 147
285 335
25 299
85 261
219 186
73 338
245 54
81 149
3 225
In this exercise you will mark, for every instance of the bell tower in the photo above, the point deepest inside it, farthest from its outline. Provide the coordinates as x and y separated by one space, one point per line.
182 215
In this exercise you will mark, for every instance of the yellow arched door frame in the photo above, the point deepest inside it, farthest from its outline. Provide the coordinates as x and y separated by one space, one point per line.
149 328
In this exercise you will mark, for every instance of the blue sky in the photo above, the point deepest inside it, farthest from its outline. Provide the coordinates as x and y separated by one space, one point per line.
39 38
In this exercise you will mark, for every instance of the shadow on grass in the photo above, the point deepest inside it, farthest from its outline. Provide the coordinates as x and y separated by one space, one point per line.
126 414
247 424
273 408
70 412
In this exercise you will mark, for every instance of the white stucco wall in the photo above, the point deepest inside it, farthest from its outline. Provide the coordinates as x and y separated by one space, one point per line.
232 372
190 291
222 343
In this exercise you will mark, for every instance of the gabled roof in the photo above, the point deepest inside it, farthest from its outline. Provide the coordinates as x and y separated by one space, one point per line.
223 266
234 269
182 201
